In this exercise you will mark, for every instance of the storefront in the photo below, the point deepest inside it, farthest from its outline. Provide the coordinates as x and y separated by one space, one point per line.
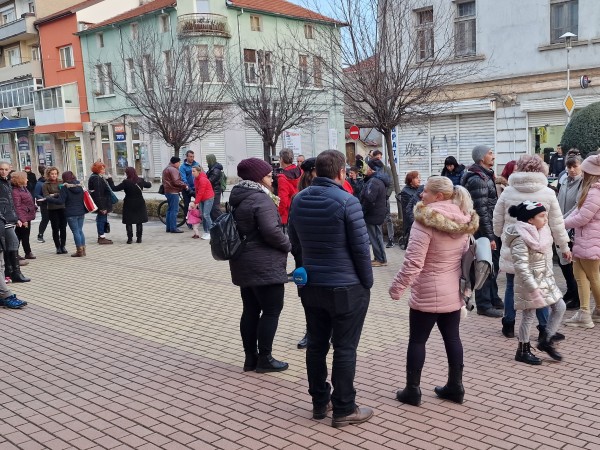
122 146
16 142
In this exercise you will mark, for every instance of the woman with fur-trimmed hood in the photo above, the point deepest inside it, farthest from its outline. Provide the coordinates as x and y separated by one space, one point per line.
444 220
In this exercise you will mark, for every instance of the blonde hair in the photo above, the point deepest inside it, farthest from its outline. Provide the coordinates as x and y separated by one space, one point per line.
458 194
18 179
588 180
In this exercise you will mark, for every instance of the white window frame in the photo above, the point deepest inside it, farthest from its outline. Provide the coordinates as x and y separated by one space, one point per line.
250 66
265 64
465 45
164 22
135 31
100 40
35 53
104 84
8 14
129 75
303 71
219 54
147 72
425 34
66 57
203 59
256 23
13 55
569 25
309 31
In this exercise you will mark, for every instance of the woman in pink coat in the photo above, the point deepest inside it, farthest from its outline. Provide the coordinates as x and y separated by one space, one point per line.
585 220
432 268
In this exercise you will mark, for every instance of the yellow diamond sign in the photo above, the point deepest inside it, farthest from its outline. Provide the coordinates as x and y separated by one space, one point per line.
569 104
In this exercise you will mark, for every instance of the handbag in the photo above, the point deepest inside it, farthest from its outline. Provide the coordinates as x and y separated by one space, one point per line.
106 227
161 189
88 202
113 198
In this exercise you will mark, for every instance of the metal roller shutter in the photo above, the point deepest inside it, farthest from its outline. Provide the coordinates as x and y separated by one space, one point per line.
308 141
157 164
321 136
254 144
543 118
474 129
212 143
444 142
413 147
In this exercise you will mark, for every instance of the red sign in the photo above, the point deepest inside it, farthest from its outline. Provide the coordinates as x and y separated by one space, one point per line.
354 132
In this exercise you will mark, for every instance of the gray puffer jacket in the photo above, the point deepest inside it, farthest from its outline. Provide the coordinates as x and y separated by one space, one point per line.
535 286
264 258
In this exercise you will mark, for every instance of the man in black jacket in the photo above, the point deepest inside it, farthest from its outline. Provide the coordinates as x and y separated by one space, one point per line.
337 291
479 181
557 162
215 176
373 199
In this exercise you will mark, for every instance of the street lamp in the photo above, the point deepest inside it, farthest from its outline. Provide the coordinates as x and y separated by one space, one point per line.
568 37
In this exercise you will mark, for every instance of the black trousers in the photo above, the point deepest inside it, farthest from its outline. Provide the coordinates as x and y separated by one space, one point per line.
260 317
45 217
339 314
23 235
567 271
421 324
216 207
138 229
58 222
187 198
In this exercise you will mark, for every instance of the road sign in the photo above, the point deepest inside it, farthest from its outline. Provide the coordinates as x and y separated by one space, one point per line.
354 132
569 103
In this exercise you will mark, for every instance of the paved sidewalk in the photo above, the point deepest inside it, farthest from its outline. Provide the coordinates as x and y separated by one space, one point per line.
137 346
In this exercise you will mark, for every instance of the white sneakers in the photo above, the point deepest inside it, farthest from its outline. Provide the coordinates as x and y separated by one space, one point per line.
582 319
206 236
596 315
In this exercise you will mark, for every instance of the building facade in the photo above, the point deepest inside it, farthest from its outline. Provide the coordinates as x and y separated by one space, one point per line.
224 34
515 101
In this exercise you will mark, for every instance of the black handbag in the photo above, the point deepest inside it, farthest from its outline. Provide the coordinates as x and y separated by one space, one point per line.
106 227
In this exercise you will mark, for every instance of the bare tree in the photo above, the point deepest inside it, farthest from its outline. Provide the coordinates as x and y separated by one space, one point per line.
173 84
399 61
277 88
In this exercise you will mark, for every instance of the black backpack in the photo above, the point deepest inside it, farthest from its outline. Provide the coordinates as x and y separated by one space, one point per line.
225 240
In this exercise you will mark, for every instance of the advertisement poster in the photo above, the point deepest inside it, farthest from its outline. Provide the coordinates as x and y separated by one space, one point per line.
333 139
292 139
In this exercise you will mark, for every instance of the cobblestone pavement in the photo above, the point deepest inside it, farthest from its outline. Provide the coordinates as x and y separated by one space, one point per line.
137 346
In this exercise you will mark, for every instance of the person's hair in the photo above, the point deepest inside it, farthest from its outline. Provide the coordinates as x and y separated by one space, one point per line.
5 163
300 156
410 176
42 170
18 179
573 160
588 181
68 177
97 167
286 156
50 169
573 152
131 174
377 153
451 161
458 194
354 169
175 159
509 168
188 152
306 180
198 168
529 163
329 164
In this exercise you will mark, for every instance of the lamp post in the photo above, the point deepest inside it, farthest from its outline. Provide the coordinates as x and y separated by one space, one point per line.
568 37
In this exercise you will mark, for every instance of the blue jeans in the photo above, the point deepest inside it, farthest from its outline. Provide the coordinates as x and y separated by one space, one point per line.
101 219
376 238
173 201
76 225
206 207
509 303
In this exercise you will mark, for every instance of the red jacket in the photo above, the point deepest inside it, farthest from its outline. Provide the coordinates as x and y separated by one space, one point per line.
204 189
287 187
24 205
348 187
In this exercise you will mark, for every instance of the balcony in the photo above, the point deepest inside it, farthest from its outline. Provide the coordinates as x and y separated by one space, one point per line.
203 25
57 105
28 69
18 30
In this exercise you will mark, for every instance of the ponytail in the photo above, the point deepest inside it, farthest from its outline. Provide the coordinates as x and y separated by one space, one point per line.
458 194
462 199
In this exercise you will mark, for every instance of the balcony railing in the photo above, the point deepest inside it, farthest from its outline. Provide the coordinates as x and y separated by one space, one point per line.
10 32
203 25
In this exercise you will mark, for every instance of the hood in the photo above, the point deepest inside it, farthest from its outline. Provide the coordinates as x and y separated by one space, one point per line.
74 187
211 160
538 240
447 217
243 190
381 175
216 166
292 172
501 180
528 182
480 171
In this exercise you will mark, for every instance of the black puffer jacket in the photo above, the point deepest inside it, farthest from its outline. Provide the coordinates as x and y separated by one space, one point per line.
482 187
100 193
264 258
327 222
373 198
7 206
70 195
215 175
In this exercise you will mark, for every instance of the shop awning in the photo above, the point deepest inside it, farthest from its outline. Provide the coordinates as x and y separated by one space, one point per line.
22 123
58 127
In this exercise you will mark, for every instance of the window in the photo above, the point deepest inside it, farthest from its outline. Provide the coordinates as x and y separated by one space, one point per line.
100 40
66 57
16 94
564 17
8 14
309 31
147 70
203 63
168 62
35 53
425 34
250 65
50 98
465 36
31 7
317 72
134 31
104 83
219 52
13 56
255 23
164 22
304 77
129 75
265 67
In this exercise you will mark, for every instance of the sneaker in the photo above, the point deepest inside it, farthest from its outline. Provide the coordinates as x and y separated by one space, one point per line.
40 238
581 319
596 315
12 302
7 280
206 236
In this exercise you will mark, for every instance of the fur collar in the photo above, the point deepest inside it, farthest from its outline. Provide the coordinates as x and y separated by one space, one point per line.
447 217
248 184
538 240
501 180
528 181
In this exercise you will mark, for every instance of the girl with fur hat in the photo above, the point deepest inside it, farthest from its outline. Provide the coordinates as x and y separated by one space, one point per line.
530 243
585 220
444 219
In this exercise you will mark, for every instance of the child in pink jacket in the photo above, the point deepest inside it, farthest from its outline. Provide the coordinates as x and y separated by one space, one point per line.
194 218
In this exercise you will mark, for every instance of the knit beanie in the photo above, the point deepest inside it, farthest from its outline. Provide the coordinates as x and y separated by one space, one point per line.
479 152
309 164
253 169
375 164
591 165
526 210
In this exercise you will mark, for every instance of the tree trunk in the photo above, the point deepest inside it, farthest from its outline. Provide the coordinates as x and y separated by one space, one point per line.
267 151
387 135
176 149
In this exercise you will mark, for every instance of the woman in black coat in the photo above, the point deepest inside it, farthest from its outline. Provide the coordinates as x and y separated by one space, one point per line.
260 270
134 205
412 183
102 197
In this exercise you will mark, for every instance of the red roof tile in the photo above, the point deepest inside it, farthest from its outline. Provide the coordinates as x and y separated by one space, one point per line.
281 7
132 13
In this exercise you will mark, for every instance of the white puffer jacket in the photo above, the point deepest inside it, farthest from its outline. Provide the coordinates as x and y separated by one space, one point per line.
527 186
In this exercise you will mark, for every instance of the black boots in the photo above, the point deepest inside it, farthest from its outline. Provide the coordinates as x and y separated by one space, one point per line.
548 347
138 233
129 230
508 328
250 362
266 363
542 336
454 390
411 394
524 355
15 271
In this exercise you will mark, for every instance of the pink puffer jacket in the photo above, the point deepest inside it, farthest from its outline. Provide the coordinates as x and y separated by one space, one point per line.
432 264
586 222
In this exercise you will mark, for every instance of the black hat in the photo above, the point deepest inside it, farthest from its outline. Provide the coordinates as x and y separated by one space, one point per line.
375 164
309 164
175 160
526 210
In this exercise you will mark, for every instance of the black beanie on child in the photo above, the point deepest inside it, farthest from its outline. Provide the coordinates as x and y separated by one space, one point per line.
526 210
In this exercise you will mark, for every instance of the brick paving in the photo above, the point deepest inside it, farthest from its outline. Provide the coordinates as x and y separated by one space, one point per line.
137 346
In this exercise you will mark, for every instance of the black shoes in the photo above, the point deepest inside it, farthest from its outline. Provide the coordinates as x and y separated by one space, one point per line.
250 362
489 312
40 238
548 347
498 305
361 414
320 412
177 230
411 394
508 328
266 363
454 389
302 344
572 304
542 336
138 240
390 244
524 355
